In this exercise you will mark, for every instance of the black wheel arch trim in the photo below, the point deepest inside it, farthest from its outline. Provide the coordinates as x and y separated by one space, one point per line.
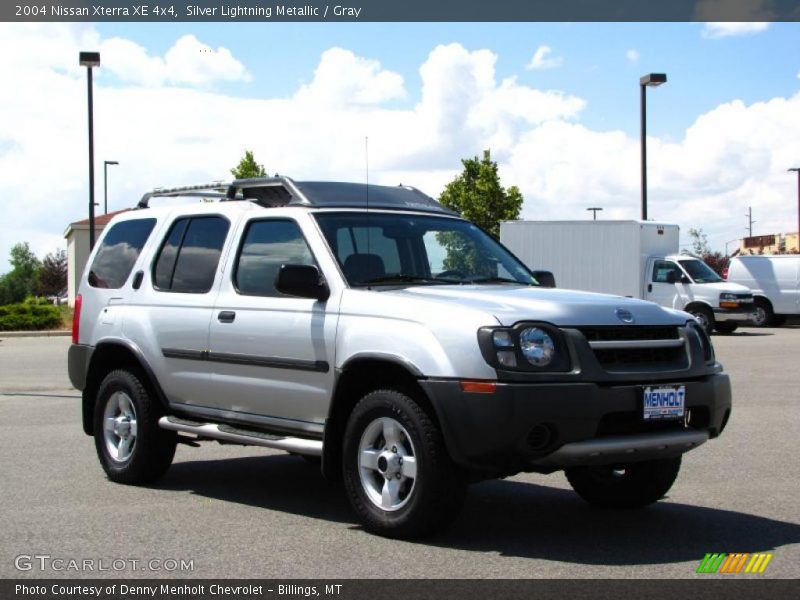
90 390
393 358
334 427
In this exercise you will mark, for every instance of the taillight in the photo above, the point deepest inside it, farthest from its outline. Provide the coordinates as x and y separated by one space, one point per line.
76 319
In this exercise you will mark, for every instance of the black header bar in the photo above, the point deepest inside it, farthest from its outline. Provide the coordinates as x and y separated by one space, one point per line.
400 10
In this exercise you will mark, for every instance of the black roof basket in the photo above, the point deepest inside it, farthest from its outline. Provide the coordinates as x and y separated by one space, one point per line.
284 191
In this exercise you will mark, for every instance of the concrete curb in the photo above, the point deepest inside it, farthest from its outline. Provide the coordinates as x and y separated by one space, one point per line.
24 334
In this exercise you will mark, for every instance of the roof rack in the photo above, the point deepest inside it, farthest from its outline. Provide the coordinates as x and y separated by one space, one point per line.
207 190
278 191
268 191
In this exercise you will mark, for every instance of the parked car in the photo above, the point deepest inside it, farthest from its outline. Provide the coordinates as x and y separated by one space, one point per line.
775 282
373 328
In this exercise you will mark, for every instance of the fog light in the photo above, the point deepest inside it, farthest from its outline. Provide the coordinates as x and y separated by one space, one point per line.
507 358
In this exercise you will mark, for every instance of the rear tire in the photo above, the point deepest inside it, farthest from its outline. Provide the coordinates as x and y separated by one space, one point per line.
399 478
627 486
764 317
132 448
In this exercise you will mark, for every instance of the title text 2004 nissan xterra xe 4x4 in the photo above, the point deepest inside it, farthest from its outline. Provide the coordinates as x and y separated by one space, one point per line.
373 328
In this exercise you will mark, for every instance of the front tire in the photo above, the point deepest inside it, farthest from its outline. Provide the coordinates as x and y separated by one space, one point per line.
704 317
764 317
627 486
132 448
726 327
397 473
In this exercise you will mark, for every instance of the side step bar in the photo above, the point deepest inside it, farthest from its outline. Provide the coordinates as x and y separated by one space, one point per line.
623 449
228 433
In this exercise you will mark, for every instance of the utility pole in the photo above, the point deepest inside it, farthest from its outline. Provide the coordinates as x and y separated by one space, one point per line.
749 216
594 212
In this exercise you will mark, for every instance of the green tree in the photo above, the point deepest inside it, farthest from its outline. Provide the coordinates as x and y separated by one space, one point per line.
248 167
700 245
21 281
53 274
478 195
700 249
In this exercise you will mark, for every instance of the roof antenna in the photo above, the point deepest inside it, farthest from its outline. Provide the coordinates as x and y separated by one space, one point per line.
366 163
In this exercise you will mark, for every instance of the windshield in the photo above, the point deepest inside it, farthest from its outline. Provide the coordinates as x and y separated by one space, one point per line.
400 249
699 271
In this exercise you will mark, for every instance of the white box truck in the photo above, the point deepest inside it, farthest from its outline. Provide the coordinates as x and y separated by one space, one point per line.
638 259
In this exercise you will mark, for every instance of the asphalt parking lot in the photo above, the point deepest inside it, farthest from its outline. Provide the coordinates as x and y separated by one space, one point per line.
243 512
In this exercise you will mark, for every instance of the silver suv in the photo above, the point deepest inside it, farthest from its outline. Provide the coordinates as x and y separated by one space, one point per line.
372 330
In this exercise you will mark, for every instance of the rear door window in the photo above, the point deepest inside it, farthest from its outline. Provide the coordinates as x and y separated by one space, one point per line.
190 255
118 252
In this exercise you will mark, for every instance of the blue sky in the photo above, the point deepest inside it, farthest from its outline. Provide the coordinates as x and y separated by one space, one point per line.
703 72
178 103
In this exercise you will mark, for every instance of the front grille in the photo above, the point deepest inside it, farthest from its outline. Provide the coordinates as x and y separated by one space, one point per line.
608 334
620 349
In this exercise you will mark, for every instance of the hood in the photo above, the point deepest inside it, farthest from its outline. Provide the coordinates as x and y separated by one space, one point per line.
510 304
723 287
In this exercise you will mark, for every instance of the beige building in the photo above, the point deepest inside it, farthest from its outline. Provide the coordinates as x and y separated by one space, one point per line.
77 235
777 243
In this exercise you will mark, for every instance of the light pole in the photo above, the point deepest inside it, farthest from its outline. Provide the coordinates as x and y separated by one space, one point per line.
105 183
651 80
797 170
726 246
89 60
594 212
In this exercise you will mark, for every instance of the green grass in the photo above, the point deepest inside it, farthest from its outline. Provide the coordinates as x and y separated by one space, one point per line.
66 316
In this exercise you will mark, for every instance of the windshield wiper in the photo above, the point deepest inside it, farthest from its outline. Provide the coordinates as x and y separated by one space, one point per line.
496 280
402 278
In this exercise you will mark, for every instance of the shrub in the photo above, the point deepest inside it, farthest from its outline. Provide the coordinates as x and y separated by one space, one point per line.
29 316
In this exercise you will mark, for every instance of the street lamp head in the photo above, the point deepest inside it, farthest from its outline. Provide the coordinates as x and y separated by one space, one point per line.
110 162
797 169
653 79
90 59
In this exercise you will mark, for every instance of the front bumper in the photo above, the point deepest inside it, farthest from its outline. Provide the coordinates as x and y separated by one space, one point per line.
738 315
501 433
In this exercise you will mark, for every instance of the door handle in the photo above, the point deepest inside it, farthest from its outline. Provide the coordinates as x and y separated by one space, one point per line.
649 287
226 316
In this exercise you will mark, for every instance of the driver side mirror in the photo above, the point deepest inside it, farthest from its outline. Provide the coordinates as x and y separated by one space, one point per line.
545 278
672 277
303 281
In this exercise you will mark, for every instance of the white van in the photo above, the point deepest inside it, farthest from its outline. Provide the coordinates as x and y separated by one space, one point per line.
775 281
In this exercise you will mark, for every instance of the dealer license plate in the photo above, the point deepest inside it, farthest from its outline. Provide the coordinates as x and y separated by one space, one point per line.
666 402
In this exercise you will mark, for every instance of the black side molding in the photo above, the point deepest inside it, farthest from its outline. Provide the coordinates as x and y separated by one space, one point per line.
319 366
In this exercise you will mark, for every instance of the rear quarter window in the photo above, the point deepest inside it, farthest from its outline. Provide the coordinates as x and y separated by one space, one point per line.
118 252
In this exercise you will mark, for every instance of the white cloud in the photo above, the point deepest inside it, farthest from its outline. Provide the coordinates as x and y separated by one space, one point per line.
734 156
188 61
541 59
343 77
632 55
728 29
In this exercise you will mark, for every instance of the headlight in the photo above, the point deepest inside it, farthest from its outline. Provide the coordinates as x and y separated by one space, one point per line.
728 300
525 348
537 346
